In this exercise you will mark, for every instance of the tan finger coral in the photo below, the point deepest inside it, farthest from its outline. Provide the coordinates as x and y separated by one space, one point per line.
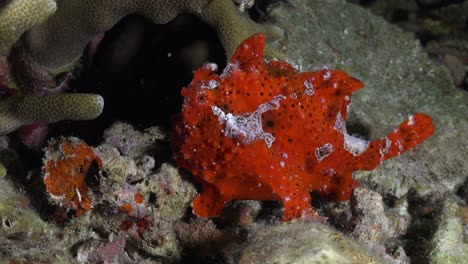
17 16
62 38
16 111
234 27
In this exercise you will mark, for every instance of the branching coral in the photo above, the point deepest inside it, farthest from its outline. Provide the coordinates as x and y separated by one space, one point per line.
16 111
18 16
62 38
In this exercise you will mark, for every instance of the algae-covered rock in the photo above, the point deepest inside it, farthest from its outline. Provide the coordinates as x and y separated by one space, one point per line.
447 245
373 226
163 194
400 80
303 243
131 142
23 234
102 251
127 196
172 197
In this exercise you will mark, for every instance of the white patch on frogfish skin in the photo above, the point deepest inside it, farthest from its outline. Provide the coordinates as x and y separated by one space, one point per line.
411 120
353 145
327 73
229 69
384 149
212 66
323 151
212 84
309 88
248 127
400 147
340 124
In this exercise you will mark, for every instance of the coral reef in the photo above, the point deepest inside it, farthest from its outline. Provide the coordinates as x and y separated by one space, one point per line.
56 33
263 131
369 221
123 194
141 210
3 170
166 196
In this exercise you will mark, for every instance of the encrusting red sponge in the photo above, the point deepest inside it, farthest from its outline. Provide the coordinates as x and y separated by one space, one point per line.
66 162
264 131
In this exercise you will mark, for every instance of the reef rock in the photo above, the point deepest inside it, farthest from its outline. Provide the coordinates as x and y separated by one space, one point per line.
303 243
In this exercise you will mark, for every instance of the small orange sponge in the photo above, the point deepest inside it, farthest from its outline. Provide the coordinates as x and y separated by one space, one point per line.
67 161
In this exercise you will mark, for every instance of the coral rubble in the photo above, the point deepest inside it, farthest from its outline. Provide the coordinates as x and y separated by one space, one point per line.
123 194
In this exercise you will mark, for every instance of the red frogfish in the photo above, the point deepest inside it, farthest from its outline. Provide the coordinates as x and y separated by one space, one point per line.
262 130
